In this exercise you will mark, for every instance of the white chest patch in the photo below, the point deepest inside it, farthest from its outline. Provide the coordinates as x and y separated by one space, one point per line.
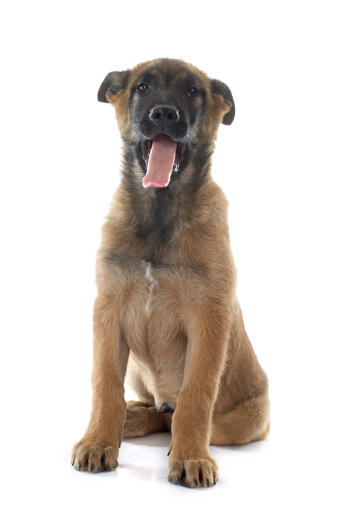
151 283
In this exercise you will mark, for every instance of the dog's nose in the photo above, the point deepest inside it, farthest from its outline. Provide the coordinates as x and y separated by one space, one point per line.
164 114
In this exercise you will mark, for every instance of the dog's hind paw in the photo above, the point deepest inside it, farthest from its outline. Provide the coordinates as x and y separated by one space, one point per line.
143 419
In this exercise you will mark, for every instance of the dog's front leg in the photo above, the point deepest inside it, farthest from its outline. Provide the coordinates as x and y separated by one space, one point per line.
190 463
98 449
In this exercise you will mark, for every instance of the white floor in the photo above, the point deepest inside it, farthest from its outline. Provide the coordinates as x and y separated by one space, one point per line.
265 475
285 472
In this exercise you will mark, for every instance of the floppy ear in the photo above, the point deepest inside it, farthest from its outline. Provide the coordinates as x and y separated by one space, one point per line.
113 83
223 90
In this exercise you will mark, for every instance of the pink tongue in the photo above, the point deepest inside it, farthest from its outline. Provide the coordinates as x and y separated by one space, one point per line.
160 163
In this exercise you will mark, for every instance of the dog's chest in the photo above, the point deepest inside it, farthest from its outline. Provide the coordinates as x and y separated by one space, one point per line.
153 330
152 298
151 283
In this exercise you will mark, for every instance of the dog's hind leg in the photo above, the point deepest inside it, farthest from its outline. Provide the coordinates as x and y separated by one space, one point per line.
247 422
143 419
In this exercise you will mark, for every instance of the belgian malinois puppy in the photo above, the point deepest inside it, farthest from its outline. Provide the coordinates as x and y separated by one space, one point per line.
166 311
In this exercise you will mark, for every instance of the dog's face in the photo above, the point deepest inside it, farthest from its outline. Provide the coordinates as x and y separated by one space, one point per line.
168 112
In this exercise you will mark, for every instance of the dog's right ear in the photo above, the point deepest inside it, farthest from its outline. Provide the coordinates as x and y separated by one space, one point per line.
223 90
112 84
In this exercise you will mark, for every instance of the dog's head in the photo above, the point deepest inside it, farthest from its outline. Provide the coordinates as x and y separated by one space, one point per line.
168 113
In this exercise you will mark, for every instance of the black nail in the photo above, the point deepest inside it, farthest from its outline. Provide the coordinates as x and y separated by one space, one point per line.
196 482
79 466
169 452
208 483
92 467
120 443
165 408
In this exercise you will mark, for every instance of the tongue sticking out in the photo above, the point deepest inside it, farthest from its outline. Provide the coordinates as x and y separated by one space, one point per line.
160 163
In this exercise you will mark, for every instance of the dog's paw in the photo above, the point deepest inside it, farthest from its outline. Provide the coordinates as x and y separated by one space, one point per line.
193 473
94 458
141 419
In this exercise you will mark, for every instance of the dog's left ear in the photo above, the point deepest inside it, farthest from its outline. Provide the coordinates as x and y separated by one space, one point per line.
112 84
218 87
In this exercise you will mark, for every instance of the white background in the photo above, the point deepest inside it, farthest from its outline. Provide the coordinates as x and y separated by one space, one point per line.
282 164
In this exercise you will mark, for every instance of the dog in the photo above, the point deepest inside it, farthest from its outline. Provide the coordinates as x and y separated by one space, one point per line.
166 316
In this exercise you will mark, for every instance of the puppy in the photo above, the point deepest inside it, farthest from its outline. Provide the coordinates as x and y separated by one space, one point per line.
166 314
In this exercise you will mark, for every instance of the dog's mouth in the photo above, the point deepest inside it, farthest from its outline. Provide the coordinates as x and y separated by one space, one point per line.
162 156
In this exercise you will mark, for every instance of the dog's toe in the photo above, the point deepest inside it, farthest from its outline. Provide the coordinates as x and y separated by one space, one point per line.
94 458
198 473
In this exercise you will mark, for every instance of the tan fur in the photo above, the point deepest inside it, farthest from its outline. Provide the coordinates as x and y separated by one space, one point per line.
181 324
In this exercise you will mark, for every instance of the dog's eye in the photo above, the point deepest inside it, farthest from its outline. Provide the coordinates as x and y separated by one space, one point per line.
192 91
143 87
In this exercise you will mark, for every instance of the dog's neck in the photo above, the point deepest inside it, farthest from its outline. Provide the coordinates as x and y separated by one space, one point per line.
158 213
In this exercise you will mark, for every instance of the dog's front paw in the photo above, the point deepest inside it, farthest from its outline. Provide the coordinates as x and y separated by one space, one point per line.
193 473
89 457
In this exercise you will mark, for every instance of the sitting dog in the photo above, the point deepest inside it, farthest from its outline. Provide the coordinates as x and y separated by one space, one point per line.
166 313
